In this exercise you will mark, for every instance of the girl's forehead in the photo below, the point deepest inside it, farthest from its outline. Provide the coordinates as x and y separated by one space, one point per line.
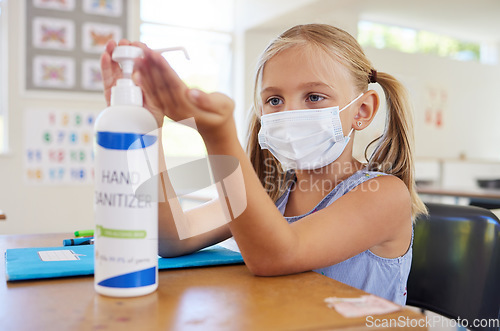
304 63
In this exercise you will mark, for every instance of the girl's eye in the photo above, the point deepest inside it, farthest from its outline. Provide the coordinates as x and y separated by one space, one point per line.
274 101
315 97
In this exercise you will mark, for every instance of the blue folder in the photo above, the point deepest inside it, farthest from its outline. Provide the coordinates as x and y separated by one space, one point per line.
25 263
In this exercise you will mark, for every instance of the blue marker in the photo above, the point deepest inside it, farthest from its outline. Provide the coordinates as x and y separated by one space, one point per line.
78 241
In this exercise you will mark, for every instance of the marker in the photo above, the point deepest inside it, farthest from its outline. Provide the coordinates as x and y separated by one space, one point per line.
84 233
78 241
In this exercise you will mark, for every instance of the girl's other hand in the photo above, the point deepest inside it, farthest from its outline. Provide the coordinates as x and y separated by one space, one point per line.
111 72
163 89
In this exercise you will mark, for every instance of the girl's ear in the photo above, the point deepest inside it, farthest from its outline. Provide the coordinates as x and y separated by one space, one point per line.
367 110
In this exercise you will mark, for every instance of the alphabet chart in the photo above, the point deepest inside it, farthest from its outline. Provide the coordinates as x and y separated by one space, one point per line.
59 146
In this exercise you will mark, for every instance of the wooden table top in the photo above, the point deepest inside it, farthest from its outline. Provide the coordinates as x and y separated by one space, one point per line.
481 193
207 298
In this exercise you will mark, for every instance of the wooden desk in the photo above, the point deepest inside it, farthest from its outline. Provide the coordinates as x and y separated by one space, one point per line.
479 193
213 298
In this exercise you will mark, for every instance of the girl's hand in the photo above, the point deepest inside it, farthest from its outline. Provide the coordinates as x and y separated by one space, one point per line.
163 89
111 72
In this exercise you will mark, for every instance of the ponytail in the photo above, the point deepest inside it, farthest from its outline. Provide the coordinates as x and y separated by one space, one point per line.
394 152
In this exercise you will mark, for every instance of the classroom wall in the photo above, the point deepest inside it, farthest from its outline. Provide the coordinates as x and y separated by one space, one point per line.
29 208
471 113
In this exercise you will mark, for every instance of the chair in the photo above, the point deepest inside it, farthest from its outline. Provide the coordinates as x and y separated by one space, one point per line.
456 264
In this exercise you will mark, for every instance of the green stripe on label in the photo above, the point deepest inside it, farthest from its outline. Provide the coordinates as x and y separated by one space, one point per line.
124 234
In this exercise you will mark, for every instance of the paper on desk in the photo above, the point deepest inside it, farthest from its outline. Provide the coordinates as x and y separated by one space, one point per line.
58 255
230 244
363 306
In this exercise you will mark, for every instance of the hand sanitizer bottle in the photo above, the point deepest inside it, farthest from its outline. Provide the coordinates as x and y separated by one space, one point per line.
126 155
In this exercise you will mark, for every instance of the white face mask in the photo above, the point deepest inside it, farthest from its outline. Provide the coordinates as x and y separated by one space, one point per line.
304 139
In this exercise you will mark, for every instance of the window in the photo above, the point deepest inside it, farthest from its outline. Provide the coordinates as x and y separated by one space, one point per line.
3 77
207 35
416 41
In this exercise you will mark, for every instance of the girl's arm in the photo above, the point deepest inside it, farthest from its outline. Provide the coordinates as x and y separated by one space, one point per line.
369 217
169 243
362 219
174 222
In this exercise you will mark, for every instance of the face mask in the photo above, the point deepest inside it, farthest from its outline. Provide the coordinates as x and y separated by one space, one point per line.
304 139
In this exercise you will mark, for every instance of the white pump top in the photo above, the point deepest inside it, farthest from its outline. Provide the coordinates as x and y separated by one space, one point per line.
126 92
125 56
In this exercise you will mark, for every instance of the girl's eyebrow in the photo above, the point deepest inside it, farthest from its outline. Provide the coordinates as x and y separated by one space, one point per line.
270 89
273 89
316 84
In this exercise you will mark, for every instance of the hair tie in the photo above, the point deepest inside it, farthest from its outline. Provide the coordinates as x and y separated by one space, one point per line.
373 76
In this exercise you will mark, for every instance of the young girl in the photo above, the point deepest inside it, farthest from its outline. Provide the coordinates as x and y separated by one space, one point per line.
310 204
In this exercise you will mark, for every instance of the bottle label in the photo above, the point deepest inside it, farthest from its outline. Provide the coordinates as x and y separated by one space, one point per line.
126 234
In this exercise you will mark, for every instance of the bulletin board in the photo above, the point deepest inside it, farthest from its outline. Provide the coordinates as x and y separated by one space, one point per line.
64 41
58 146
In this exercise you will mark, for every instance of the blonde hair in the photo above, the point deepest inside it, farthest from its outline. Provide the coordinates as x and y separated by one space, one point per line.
393 151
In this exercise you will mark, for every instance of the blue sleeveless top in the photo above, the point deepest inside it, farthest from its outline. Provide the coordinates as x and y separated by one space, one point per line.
366 271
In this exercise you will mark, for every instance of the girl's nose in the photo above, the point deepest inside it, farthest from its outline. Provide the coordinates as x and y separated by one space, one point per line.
293 106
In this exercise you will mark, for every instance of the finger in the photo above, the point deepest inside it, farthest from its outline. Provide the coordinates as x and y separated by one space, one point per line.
169 86
106 75
213 102
124 42
110 46
142 76
109 68
165 70
109 72
136 76
141 70
154 76
141 45
108 63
